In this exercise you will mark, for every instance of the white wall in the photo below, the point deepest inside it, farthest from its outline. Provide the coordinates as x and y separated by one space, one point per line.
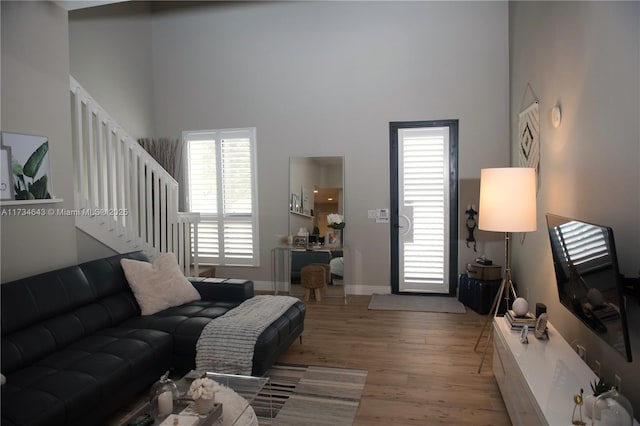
111 57
326 78
585 56
35 100
90 249
322 79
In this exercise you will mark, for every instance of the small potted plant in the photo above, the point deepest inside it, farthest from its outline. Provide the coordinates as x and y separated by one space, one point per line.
598 387
203 393
335 221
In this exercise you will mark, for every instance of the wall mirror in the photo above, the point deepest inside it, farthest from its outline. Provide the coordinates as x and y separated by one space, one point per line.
316 190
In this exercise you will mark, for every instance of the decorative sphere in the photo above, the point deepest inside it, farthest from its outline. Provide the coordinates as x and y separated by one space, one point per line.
520 306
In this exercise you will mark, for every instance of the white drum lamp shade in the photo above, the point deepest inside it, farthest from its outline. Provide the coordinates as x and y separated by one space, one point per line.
507 200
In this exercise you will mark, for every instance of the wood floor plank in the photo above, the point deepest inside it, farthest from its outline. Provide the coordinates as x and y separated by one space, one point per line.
422 367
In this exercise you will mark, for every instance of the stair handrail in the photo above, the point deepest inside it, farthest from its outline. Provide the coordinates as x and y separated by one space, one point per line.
115 175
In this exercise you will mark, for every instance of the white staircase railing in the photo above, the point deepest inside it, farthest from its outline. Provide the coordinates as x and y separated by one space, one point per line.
124 198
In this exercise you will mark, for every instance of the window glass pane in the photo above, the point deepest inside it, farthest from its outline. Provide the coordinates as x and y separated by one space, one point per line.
236 172
203 186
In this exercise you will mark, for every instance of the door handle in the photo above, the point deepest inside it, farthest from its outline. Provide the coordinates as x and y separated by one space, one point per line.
405 217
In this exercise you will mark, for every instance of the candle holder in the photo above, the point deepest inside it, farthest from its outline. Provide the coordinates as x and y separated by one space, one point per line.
612 408
162 395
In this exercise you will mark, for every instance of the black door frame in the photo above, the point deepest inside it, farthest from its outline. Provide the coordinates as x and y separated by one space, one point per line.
394 126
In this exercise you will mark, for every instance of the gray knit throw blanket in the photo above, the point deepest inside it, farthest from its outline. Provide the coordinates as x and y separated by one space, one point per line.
226 344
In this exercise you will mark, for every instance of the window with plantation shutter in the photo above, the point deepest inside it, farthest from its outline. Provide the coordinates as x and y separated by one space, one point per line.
221 169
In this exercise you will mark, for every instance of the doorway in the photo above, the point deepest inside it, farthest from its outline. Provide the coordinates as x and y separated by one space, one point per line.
424 207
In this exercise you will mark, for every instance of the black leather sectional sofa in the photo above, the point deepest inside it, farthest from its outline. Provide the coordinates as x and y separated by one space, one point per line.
75 347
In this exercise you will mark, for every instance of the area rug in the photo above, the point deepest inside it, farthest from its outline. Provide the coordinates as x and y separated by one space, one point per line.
397 302
310 395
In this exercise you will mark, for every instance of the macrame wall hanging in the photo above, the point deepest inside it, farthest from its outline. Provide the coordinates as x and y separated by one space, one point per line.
529 132
529 135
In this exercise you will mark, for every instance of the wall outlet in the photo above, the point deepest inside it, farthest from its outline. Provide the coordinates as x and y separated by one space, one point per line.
617 382
596 368
582 352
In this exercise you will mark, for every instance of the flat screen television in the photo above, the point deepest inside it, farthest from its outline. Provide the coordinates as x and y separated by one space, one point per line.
588 278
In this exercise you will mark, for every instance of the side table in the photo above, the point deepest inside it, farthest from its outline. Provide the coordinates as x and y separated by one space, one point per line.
479 294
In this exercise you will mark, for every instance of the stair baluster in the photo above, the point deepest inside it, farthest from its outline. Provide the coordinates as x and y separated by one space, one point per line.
137 199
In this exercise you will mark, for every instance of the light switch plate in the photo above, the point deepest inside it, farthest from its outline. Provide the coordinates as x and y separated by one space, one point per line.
382 216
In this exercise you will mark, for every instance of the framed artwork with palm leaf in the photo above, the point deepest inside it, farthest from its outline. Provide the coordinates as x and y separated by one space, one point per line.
6 184
30 167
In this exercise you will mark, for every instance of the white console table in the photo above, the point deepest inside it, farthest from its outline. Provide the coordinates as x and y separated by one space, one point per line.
538 380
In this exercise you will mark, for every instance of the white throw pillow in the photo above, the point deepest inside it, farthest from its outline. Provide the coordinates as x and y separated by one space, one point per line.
160 285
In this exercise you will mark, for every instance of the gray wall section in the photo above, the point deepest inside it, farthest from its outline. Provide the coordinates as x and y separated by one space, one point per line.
110 56
326 78
35 100
110 53
90 249
586 57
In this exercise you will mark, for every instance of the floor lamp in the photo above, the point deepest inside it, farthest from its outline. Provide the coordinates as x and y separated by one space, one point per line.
507 204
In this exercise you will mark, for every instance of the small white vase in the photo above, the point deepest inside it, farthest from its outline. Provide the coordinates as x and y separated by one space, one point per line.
589 400
204 406
598 406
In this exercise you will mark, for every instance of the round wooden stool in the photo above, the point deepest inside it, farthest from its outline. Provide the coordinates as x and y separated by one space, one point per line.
314 277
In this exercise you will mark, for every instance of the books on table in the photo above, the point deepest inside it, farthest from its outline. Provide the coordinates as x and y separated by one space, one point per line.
517 322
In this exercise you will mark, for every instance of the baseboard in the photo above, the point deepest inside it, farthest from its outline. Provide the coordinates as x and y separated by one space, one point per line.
265 286
355 289
367 290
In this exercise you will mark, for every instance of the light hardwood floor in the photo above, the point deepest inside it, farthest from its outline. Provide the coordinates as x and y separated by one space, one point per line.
422 369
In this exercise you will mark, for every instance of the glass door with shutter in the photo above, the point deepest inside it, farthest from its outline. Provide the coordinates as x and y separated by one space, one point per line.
424 193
